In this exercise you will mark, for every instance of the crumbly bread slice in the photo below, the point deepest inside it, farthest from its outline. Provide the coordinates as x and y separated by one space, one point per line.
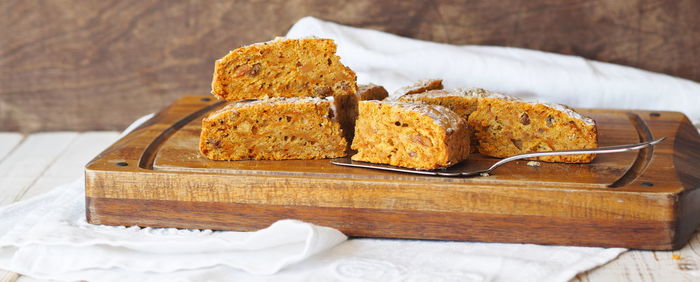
371 92
497 128
463 101
410 135
509 127
273 129
282 68
419 87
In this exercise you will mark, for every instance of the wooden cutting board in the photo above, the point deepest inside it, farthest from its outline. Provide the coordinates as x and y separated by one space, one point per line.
646 199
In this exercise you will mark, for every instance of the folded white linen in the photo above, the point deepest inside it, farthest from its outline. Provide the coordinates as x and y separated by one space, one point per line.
50 235
47 237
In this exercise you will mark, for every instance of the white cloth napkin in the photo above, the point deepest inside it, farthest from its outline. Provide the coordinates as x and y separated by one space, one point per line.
395 61
47 237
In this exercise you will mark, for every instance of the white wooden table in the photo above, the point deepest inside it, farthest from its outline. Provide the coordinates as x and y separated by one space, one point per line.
32 165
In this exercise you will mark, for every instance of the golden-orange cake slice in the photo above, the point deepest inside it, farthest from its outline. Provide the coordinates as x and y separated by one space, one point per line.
371 92
420 87
462 101
506 127
410 135
497 128
273 129
283 68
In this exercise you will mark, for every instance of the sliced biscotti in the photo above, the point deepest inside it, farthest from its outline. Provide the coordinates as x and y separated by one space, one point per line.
410 135
419 87
503 126
273 129
283 68
507 127
461 101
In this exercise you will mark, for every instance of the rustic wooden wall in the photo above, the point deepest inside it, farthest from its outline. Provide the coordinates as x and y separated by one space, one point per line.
86 65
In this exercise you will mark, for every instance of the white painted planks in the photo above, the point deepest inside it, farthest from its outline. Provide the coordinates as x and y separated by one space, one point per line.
69 165
8 141
28 161
43 161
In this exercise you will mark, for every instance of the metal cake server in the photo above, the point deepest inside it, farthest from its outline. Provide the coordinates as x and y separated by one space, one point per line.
440 172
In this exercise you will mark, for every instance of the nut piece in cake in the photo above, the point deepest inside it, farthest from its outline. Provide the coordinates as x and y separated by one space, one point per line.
509 127
410 135
371 92
282 68
420 87
273 129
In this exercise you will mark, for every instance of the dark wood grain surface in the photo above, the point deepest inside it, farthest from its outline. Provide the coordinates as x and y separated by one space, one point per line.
94 65
155 177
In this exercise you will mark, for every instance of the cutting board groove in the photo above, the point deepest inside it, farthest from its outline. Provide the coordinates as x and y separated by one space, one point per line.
641 162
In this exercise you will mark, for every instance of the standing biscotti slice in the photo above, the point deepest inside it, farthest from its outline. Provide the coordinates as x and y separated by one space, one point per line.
273 129
283 68
410 135
506 127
